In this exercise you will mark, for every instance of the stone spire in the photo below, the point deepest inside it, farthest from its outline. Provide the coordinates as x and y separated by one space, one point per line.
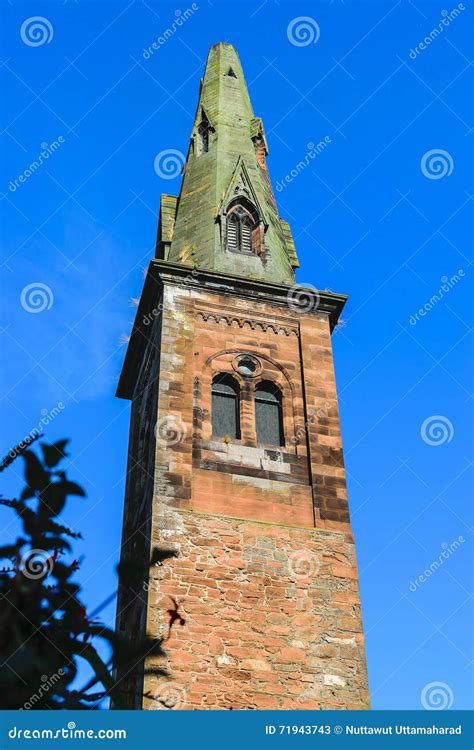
226 167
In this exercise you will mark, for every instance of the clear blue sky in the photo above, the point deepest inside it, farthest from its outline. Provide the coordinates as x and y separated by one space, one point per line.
368 221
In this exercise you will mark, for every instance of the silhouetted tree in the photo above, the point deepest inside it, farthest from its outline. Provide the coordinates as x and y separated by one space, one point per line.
45 630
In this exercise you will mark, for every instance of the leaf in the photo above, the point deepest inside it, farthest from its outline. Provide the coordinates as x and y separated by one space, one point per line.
35 475
53 499
72 488
54 453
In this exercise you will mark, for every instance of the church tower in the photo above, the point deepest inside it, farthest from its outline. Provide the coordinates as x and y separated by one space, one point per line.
235 456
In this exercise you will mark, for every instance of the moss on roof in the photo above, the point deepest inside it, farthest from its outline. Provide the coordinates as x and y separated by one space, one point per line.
224 104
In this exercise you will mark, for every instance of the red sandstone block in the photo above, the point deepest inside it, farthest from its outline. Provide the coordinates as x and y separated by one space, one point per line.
216 645
266 701
344 571
291 655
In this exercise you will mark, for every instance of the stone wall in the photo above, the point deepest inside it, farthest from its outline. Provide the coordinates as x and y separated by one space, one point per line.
272 617
265 576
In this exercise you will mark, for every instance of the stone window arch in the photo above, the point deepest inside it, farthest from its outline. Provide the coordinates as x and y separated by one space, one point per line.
243 228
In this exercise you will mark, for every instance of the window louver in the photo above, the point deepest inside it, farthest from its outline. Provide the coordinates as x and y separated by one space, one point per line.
246 233
232 233
240 227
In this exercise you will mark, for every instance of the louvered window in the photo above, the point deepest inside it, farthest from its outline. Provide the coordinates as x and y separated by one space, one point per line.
240 227
233 233
246 235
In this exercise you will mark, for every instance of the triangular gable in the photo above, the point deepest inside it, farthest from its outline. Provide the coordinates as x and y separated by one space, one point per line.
202 115
241 185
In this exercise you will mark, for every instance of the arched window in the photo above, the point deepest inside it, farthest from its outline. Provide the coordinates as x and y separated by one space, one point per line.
269 414
240 230
225 407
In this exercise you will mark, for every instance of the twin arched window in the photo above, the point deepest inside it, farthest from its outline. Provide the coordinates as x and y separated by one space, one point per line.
226 410
240 229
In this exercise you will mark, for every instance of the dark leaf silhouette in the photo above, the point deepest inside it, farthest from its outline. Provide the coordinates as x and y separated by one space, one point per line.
45 629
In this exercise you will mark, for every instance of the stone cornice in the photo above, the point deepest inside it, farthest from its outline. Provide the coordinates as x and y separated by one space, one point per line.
212 316
162 272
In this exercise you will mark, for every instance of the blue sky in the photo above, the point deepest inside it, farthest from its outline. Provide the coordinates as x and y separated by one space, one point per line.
374 216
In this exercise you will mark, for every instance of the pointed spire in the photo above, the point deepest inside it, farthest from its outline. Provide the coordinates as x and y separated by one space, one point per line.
226 216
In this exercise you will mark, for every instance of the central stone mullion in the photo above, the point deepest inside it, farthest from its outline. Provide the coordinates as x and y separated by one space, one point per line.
247 414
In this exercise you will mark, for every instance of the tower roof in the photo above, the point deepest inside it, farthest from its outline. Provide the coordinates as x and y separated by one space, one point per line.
226 163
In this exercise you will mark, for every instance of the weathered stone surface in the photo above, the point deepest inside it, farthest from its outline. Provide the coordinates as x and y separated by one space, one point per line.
235 139
265 575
